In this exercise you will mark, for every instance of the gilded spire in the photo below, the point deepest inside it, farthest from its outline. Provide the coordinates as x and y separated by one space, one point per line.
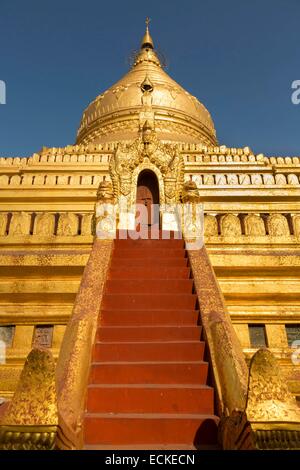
147 39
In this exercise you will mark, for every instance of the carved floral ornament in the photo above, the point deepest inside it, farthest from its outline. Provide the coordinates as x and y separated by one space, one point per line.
147 152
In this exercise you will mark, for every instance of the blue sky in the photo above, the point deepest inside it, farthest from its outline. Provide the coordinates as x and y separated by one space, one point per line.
239 57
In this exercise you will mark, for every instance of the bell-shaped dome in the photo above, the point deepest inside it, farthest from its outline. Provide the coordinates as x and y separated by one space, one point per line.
115 114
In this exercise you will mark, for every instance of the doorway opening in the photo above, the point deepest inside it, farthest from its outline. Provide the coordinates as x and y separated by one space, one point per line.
147 200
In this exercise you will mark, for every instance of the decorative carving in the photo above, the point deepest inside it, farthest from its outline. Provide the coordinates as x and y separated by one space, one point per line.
4 180
51 180
30 419
104 220
269 398
221 180
254 226
75 180
230 225
170 190
43 336
278 225
190 192
293 179
15 180
27 180
3 223
96 180
87 224
210 226
232 179
86 180
256 179
244 179
39 180
63 179
143 153
165 156
268 179
105 192
44 224
67 224
280 179
296 223
123 162
146 113
196 178
20 223
208 180
271 419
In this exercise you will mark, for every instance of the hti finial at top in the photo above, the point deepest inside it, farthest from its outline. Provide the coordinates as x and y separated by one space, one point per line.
147 39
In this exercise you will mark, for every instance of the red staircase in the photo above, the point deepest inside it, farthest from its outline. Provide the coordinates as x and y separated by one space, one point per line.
148 381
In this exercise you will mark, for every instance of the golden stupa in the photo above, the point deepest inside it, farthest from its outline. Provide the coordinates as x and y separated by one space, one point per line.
114 115
147 139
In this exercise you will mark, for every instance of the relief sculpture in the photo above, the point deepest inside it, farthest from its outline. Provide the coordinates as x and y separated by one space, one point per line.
67 225
3 223
254 225
44 224
278 225
20 224
210 226
230 225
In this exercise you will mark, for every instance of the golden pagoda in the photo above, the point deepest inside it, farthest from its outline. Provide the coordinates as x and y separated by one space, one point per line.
69 298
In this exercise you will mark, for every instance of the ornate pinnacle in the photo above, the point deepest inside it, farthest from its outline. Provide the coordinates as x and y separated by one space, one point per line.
147 39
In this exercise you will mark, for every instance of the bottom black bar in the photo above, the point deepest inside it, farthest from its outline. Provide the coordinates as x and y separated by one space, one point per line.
138 459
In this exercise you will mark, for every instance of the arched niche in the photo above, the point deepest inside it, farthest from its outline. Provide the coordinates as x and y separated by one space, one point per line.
135 175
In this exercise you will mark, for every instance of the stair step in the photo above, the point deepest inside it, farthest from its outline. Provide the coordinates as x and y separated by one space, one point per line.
102 428
145 244
149 317
148 262
155 286
149 301
145 398
149 253
152 272
148 381
190 372
151 333
150 351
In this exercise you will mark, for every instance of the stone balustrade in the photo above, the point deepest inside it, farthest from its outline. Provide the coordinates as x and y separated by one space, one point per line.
193 153
49 179
228 225
205 179
45 224
252 225
245 179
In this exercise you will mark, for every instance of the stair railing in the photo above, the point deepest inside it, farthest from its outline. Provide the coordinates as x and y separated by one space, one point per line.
229 367
73 366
